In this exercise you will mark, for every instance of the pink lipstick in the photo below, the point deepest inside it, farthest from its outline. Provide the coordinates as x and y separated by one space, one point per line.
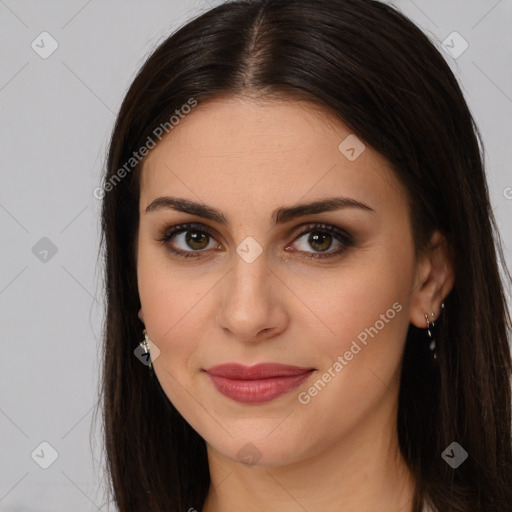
259 383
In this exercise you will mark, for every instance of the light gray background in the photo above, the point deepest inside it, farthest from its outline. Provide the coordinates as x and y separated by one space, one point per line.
56 118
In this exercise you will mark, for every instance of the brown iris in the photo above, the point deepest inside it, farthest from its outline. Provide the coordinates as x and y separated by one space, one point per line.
320 241
196 240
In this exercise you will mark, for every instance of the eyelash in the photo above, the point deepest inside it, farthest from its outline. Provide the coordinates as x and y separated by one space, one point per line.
340 235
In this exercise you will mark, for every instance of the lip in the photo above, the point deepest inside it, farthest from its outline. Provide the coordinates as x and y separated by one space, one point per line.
259 383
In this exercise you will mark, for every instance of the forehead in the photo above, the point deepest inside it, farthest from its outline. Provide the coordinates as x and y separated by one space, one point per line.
239 151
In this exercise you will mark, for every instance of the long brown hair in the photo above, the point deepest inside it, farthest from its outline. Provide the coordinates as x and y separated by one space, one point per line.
370 66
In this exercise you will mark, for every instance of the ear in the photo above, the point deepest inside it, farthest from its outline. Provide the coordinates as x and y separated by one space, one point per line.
434 279
141 315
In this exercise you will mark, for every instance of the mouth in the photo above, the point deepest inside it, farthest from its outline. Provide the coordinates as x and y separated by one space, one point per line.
257 384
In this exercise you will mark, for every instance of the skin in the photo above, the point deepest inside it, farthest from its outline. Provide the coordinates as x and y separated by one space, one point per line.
246 158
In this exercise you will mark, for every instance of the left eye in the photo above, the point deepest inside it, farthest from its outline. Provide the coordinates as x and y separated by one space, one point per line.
321 238
195 240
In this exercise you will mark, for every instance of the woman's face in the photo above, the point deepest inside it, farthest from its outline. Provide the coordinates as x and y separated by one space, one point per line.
258 279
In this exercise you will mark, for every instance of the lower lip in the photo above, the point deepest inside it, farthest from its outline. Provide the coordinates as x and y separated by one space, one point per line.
259 390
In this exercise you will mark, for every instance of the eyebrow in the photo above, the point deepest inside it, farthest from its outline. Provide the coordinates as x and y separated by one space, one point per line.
279 216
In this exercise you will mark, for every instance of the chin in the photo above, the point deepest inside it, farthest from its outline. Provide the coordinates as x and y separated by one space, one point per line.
260 450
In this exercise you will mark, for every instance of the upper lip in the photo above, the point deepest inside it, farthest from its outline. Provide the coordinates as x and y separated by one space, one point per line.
259 371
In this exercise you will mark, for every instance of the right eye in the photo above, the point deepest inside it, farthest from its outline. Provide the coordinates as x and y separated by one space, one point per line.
193 238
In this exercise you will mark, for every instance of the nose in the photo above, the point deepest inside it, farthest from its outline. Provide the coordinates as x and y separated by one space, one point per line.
252 303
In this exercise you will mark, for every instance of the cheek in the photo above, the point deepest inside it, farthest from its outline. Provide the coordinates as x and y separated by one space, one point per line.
171 307
367 311
368 322
365 308
170 299
169 293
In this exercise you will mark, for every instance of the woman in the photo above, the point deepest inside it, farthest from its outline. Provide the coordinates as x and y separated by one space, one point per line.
297 226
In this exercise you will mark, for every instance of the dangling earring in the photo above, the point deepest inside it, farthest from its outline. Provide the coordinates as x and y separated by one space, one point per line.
145 346
431 337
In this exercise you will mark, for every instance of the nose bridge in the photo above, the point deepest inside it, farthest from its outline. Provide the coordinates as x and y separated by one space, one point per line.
249 304
249 278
